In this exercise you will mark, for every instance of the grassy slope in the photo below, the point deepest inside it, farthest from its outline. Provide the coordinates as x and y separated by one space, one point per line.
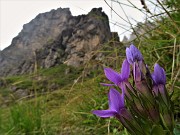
64 111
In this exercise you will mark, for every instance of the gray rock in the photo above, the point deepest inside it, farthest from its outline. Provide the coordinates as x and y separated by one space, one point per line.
142 31
53 38
21 93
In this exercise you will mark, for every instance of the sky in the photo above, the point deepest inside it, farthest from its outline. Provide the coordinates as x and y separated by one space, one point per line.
15 13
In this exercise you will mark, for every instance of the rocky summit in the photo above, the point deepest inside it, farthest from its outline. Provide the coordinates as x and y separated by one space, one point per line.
53 38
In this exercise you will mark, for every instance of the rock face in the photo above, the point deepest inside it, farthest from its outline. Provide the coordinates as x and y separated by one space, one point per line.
142 30
54 38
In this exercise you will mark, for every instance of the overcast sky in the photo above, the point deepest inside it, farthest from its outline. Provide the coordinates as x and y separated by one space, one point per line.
15 13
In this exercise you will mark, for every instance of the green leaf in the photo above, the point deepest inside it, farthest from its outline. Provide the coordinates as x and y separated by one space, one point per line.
157 130
177 129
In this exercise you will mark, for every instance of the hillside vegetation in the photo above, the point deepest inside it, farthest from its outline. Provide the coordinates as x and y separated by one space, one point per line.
59 100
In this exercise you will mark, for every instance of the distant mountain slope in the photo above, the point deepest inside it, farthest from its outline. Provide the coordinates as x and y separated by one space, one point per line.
53 38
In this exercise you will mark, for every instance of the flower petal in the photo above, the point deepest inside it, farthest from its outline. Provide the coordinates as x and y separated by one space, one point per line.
159 75
112 75
125 70
129 56
116 100
137 72
104 113
136 53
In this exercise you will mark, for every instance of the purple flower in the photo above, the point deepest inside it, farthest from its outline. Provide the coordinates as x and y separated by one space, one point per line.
117 109
133 54
119 79
159 76
116 77
159 81
135 58
116 103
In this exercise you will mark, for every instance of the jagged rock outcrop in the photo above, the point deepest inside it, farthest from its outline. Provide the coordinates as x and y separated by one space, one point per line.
53 38
142 29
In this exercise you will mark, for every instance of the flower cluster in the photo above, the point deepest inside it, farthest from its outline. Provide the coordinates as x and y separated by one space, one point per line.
144 107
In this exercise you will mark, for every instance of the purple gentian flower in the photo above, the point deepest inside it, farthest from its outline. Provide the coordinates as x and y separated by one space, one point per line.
133 54
119 79
116 103
116 77
159 81
117 109
159 76
135 58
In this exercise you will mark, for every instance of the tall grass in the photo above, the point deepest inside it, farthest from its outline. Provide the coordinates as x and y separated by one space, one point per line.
26 118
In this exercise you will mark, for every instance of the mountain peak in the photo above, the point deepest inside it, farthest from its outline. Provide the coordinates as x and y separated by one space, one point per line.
53 38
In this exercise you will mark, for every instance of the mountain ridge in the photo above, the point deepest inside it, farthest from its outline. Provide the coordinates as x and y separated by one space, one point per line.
53 38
